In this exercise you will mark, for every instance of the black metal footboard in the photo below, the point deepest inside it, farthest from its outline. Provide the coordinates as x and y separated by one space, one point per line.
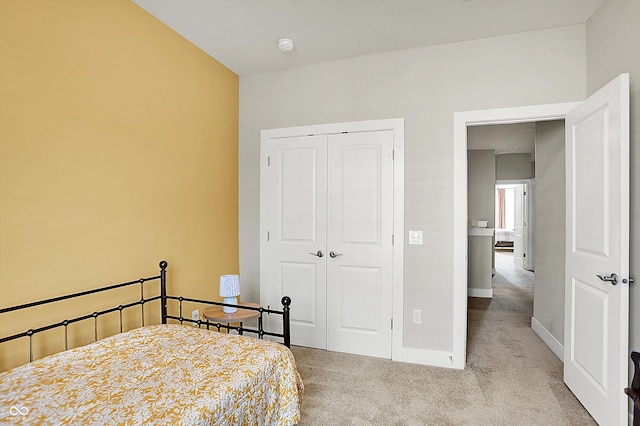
259 332
164 314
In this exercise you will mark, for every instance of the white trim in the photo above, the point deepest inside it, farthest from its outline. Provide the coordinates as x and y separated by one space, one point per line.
397 126
512 181
398 232
486 293
460 122
481 232
556 347
427 357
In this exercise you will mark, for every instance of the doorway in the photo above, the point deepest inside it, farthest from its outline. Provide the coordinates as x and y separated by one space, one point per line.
501 187
461 121
515 218
596 314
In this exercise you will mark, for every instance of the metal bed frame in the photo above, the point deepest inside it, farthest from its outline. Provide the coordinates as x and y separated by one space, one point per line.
164 298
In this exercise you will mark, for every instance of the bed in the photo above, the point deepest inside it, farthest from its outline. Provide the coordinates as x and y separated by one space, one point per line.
504 238
169 373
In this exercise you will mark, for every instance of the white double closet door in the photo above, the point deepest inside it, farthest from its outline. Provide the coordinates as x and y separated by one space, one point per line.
330 237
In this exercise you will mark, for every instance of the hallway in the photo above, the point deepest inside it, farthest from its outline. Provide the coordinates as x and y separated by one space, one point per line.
510 357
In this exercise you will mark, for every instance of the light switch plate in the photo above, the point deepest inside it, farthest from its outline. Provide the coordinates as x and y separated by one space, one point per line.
417 316
415 237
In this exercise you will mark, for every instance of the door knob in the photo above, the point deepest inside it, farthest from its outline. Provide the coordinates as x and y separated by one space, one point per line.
319 253
333 254
613 278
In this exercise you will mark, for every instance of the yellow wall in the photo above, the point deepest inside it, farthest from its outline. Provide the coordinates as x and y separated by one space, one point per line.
118 149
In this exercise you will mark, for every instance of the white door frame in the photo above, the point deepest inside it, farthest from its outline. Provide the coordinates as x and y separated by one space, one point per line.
460 122
397 126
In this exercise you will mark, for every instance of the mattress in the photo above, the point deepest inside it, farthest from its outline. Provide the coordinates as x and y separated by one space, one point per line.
505 235
165 374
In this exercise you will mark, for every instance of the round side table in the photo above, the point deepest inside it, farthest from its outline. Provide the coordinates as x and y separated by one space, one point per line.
216 314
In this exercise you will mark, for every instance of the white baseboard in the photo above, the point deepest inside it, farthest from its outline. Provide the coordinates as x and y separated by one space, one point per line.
433 358
480 292
556 347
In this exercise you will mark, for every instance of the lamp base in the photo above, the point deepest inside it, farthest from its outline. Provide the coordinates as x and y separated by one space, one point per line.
230 301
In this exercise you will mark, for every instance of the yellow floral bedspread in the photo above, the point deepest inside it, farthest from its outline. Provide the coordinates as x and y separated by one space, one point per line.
165 374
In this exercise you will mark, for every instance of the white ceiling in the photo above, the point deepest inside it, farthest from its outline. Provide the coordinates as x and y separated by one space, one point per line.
243 34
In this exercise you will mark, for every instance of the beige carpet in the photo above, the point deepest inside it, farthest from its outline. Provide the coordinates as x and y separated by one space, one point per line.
511 378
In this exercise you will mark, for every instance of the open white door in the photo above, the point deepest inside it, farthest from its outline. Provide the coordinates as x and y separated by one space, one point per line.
518 226
597 311
530 226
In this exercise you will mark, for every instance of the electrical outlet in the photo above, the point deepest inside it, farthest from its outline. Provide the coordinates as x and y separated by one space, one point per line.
195 316
415 237
417 316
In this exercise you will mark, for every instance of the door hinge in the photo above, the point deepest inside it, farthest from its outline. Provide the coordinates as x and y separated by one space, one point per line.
393 155
268 235
392 323
393 239
268 161
524 254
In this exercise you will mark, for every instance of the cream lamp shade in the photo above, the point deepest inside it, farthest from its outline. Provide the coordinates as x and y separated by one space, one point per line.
229 289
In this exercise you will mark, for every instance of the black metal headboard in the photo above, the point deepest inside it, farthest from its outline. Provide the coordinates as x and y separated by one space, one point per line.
165 316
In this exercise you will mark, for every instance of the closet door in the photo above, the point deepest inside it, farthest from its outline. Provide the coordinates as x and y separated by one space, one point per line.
330 216
359 243
297 234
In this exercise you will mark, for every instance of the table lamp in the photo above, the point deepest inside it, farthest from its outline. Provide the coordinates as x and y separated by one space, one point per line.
229 289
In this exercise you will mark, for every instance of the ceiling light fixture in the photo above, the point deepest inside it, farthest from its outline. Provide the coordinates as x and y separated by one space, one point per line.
285 44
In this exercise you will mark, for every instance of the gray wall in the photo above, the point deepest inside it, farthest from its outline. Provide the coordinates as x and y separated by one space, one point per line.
513 166
481 205
425 86
612 48
480 253
481 185
548 298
